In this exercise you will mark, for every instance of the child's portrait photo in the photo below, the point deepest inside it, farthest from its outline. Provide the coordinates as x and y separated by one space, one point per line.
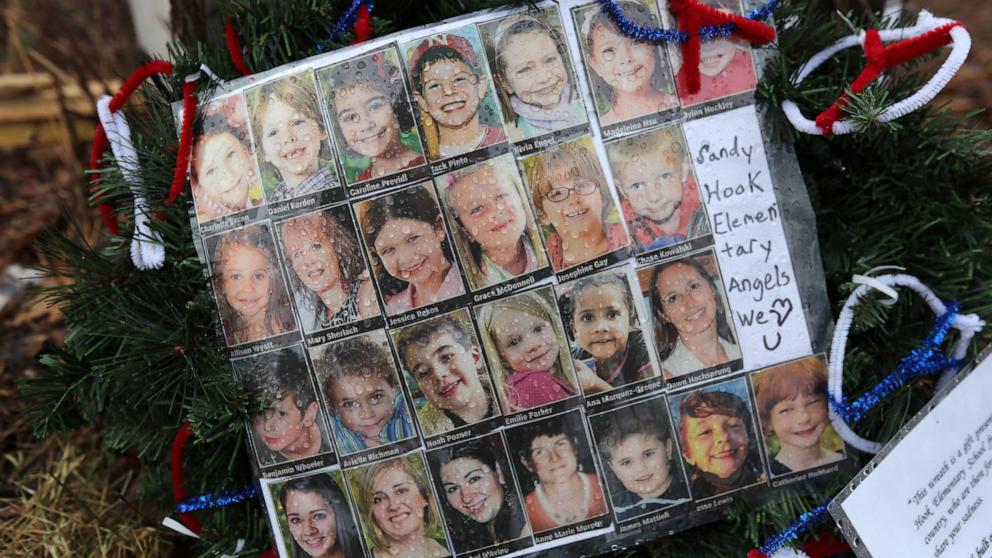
792 406
717 438
534 75
398 511
290 426
248 284
314 518
444 370
408 246
659 197
450 83
557 474
528 351
638 452
492 225
692 325
371 116
292 145
630 79
222 170
328 274
574 205
478 496
361 388
725 63
601 317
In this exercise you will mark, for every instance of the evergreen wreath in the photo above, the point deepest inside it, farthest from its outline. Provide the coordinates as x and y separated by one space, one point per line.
141 357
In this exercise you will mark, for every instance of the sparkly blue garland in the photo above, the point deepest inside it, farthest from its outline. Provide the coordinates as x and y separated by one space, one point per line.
659 35
923 361
347 20
217 499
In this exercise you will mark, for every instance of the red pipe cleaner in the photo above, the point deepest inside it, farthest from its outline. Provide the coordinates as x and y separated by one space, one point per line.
99 145
363 25
185 142
691 16
178 490
234 47
881 58
829 544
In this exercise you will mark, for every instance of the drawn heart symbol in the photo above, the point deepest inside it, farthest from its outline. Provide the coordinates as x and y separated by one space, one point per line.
783 314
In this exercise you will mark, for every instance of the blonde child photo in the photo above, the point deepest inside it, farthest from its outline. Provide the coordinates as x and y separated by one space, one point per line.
360 386
792 405
222 170
630 78
444 359
451 86
659 197
535 81
598 311
493 228
371 116
293 151
573 203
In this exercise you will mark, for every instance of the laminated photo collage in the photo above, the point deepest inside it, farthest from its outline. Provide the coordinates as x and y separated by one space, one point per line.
470 273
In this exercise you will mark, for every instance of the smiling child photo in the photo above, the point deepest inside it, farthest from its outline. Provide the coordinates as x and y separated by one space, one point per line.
371 116
450 84
792 405
361 389
444 369
725 63
408 246
534 74
573 203
222 170
600 315
716 434
492 224
630 79
291 141
659 197
290 426
637 447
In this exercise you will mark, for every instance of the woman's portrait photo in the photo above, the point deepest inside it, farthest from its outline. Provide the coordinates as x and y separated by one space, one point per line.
408 245
574 205
222 170
792 406
528 352
630 79
602 319
444 370
361 388
290 426
534 75
638 451
450 84
556 471
371 116
328 275
492 225
314 517
398 512
292 145
477 493
725 63
248 285
717 437
692 325
659 197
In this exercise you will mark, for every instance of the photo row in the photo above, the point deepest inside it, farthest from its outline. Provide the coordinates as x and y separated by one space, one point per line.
656 459
383 118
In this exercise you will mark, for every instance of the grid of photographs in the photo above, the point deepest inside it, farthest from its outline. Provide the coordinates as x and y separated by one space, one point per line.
471 275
